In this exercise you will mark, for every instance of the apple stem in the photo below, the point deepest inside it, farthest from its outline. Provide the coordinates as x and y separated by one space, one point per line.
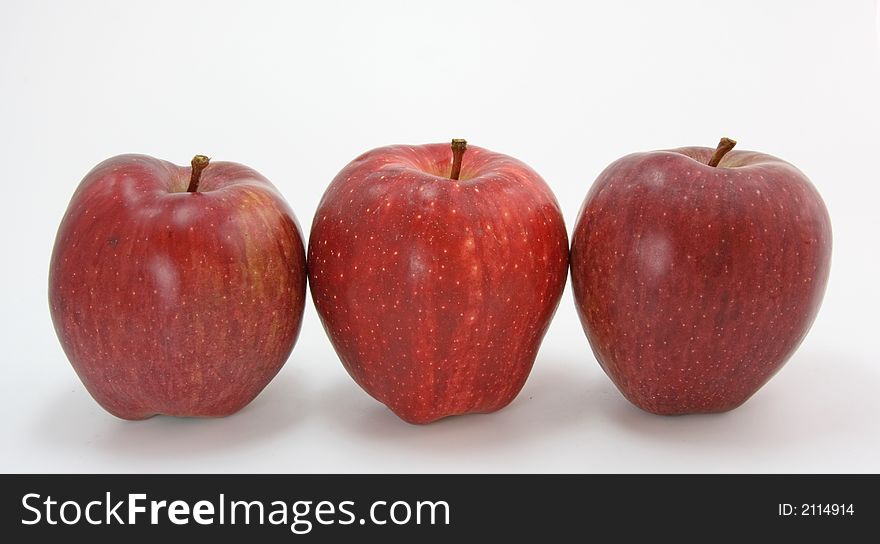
725 145
458 148
198 163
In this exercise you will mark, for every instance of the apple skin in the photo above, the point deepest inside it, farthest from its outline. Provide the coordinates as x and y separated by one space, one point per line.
176 303
436 293
695 284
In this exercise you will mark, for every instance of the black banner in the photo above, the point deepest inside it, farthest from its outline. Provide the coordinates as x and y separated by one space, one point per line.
398 508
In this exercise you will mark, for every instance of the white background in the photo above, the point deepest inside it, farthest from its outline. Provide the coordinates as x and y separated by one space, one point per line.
296 90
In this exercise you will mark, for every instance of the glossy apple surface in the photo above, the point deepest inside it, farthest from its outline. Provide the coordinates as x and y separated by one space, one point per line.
696 283
174 302
436 293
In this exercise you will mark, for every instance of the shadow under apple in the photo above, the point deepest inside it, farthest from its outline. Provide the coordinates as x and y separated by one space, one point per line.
557 396
278 407
810 401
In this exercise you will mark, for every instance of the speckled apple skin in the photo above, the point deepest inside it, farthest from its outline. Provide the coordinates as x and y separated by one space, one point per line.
437 293
695 284
168 302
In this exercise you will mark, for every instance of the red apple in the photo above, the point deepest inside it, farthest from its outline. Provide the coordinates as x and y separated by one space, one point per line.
174 290
695 280
435 278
